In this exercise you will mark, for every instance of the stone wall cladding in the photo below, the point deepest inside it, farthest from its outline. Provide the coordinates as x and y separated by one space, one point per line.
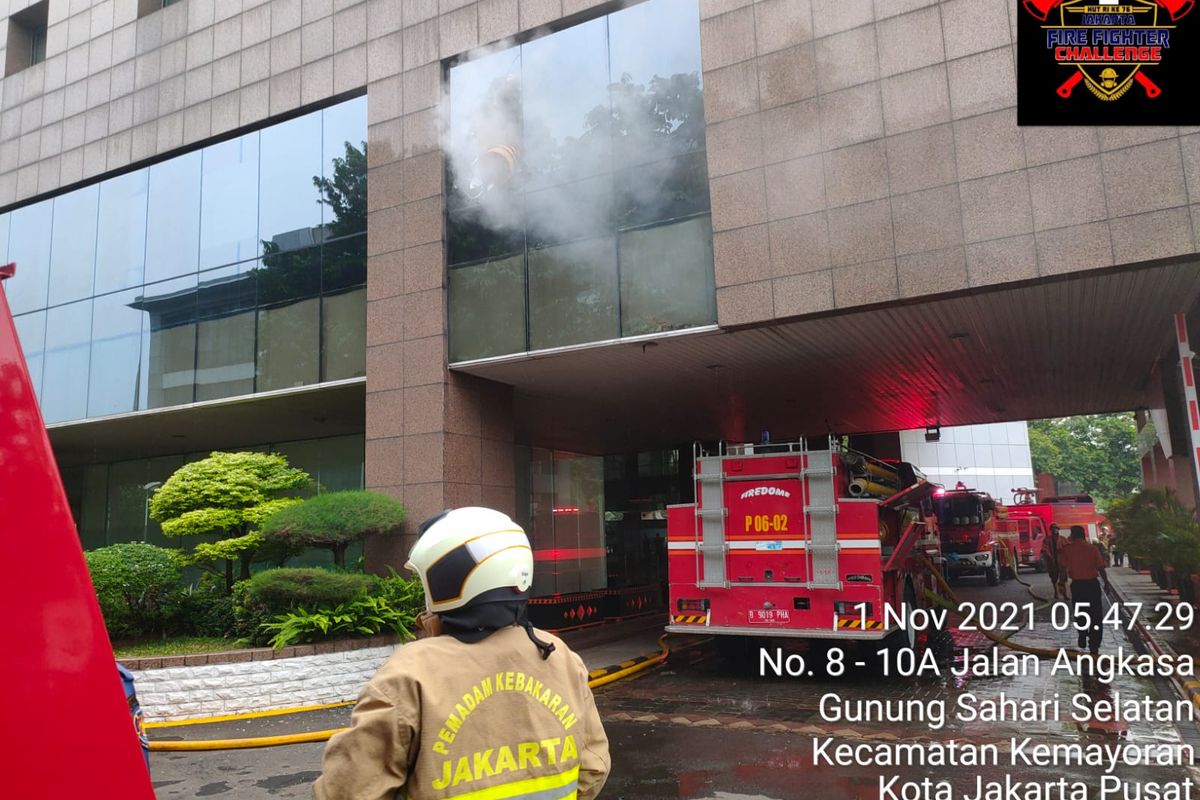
208 690
866 152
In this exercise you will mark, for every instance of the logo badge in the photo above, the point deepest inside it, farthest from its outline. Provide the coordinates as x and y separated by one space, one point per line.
1106 62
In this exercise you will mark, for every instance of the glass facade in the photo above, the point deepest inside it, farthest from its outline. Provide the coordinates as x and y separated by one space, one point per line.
578 207
233 269
110 502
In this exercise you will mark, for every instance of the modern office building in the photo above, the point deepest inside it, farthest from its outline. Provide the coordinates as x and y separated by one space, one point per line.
991 458
523 253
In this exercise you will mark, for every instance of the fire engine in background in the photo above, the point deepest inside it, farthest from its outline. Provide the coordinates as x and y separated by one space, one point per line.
971 544
787 541
1031 519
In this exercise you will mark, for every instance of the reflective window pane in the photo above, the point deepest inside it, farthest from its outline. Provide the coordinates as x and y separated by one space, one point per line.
344 263
68 345
566 115
573 294
472 235
344 167
570 211
229 202
73 245
344 335
483 152
121 239
289 319
170 348
225 316
4 237
658 108
118 376
667 278
29 248
487 309
663 190
31 332
290 210
173 220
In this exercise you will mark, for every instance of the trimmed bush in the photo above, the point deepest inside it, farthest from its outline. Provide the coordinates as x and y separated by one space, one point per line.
273 592
208 613
137 585
334 521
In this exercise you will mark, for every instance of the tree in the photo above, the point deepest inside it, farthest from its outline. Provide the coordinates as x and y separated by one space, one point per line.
334 521
228 495
1097 453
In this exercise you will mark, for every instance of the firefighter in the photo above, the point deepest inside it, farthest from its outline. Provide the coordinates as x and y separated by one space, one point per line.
483 705
1083 562
1051 548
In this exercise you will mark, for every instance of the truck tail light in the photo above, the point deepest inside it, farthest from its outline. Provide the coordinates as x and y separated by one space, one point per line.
693 605
849 608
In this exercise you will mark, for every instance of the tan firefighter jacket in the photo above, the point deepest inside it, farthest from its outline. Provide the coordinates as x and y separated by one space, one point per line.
483 721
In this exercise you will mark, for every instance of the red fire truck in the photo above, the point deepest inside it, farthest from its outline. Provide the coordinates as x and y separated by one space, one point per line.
968 520
788 541
1031 521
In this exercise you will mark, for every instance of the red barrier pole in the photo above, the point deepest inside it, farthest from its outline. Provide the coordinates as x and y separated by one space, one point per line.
65 728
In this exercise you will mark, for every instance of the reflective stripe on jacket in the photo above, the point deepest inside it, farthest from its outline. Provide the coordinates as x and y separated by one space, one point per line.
486 721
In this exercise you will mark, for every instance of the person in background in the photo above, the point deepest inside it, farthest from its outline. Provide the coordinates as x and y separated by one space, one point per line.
1050 551
484 705
1082 562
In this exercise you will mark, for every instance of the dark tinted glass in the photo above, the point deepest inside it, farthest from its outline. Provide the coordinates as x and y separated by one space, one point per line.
488 315
566 115
344 335
170 347
31 332
472 236
344 263
290 213
68 345
662 190
344 167
117 382
29 247
573 294
667 277
173 226
121 239
225 306
289 320
229 202
73 245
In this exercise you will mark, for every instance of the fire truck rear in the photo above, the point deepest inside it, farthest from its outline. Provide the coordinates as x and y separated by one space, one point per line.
787 541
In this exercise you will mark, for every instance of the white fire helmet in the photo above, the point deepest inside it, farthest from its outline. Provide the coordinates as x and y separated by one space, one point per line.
465 552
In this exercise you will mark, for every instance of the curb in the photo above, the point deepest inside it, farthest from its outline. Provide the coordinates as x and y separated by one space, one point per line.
596 678
1186 690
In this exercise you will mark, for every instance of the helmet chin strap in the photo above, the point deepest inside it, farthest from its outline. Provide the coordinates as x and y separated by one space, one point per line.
545 648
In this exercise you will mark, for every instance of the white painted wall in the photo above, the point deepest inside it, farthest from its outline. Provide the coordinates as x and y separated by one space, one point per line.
211 690
991 458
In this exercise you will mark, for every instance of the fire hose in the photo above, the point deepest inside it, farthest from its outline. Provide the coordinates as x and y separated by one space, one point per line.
951 603
596 679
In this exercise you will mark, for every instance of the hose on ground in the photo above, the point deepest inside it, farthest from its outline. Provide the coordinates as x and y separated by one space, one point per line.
951 603
602 678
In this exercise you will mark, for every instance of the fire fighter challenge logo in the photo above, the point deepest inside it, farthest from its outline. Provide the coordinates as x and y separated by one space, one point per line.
1107 62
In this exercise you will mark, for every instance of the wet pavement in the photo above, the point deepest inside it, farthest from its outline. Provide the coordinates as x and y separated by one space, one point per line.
701 727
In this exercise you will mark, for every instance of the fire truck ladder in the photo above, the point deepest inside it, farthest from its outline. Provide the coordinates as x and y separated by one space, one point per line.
820 519
711 547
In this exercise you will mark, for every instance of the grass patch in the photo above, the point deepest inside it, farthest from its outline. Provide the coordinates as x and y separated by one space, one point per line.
177 646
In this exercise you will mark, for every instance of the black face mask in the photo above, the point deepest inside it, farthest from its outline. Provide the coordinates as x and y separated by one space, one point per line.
476 622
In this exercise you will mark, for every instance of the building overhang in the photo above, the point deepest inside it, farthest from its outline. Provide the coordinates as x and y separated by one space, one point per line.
1073 344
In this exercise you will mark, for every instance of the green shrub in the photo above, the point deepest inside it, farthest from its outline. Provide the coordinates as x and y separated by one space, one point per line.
138 588
208 613
333 521
273 592
365 616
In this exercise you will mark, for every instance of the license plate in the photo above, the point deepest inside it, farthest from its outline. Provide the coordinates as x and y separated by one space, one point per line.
769 616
